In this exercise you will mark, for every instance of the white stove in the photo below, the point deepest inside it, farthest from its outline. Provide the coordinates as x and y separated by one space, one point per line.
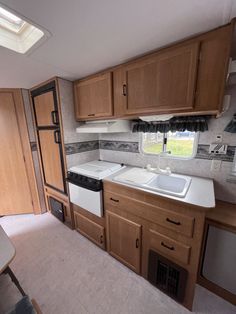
85 184
96 169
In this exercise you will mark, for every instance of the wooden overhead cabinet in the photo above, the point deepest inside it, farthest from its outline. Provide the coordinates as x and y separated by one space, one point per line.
93 97
184 78
163 82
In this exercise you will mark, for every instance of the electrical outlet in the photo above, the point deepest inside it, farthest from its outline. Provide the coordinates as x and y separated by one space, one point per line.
216 165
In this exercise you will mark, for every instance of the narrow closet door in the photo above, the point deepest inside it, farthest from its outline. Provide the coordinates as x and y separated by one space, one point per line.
15 193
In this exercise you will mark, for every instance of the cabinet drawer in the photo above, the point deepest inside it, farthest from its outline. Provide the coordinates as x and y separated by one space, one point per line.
169 247
90 229
164 217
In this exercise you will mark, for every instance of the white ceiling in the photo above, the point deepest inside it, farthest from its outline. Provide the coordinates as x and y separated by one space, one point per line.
90 35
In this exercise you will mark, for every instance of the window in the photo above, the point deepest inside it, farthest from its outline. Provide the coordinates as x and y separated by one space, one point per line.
17 34
177 144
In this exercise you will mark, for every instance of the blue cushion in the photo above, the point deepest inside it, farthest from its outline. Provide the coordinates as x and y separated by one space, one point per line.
24 306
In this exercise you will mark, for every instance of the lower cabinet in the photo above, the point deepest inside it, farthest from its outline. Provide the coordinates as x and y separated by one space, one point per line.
124 240
90 229
140 225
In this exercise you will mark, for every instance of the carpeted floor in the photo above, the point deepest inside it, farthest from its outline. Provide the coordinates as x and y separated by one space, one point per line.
67 274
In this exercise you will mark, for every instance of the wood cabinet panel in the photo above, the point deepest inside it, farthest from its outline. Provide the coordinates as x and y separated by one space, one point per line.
163 82
169 219
90 229
169 247
93 97
15 192
45 111
213 68
124 240
51 159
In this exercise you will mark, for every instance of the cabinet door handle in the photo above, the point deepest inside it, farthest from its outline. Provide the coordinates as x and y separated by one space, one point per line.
177 223
101 239
167 246
124 90
137 243
114 200
54 116
57 137
91 115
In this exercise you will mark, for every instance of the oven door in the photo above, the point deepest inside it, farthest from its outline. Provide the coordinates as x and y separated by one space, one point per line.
86 199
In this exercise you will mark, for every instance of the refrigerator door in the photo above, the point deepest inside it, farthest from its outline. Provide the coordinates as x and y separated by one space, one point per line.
52 158
45 107
220 258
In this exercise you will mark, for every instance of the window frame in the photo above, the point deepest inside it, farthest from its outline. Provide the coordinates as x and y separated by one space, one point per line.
195 145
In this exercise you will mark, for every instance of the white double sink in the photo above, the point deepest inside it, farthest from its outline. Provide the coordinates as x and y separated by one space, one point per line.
173 184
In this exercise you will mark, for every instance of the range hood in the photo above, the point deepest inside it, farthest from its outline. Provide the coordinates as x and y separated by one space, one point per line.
105 126
161 117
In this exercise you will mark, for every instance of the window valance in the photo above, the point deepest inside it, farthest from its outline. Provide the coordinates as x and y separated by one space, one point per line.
180 124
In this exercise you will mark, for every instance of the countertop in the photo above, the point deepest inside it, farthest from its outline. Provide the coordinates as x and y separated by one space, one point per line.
200 193
224 213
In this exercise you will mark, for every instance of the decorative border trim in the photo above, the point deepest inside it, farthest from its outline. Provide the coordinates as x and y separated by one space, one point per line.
81 147
133 147
121 146
203 153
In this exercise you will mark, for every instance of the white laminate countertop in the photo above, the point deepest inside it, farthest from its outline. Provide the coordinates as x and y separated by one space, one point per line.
200 192
7 250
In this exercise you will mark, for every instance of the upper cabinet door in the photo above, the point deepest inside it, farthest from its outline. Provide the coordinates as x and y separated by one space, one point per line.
163 82
93 97
213 69
45 106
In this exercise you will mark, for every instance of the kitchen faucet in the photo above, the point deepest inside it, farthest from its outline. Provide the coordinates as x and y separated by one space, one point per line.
159 170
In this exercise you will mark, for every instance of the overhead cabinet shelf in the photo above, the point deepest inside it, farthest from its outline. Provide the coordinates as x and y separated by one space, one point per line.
188 77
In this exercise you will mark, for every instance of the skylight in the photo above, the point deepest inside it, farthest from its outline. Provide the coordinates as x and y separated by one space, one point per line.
10 21
17 34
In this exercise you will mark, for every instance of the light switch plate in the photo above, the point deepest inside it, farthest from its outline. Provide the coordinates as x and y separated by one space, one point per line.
218 148
216 165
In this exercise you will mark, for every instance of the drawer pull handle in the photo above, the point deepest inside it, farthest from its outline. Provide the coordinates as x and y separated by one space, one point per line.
167 246
124 90
177 223
91 115
101 239
114 200
137 243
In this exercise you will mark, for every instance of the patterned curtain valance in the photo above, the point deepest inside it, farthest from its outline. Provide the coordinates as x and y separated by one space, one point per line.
181 124
231 127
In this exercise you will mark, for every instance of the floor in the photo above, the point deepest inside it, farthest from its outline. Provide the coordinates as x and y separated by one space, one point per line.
67 274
